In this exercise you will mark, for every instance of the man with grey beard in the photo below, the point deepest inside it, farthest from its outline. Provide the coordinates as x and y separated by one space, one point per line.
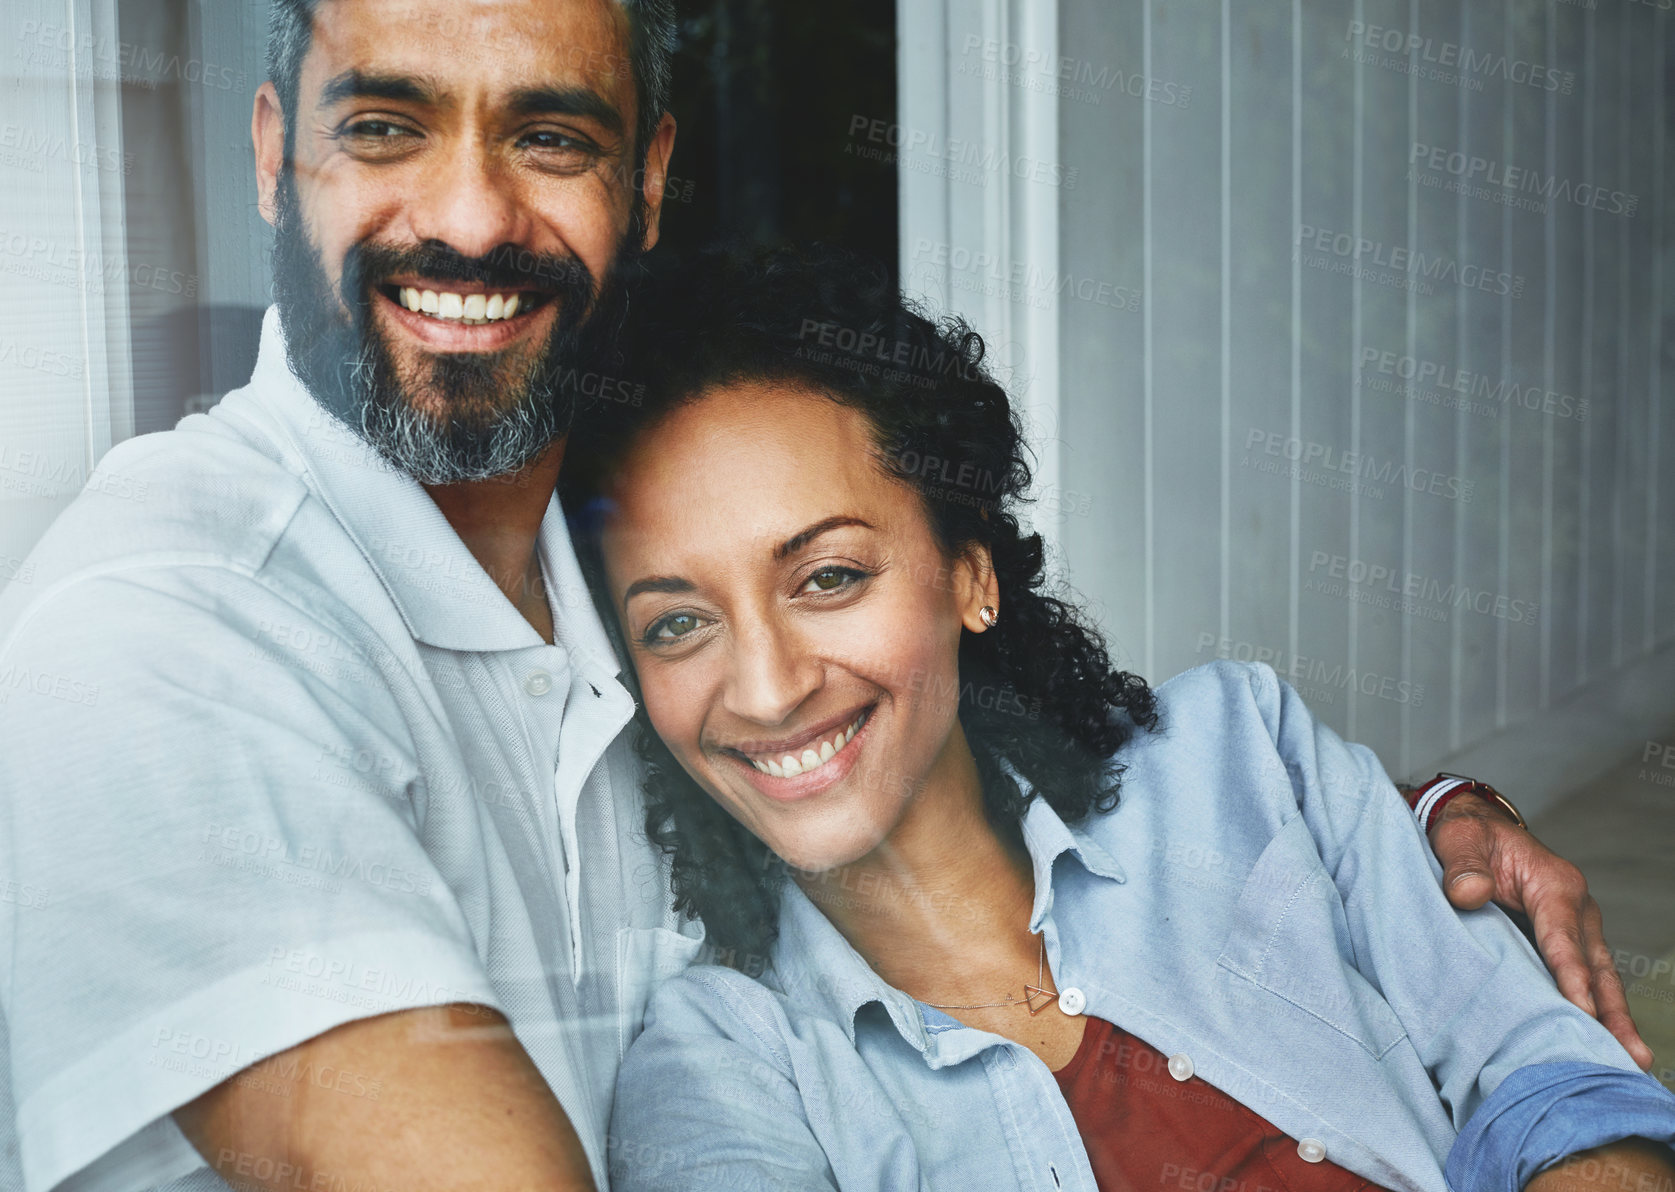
321 840
324 772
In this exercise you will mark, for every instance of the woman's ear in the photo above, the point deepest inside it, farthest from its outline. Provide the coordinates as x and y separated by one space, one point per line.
977 588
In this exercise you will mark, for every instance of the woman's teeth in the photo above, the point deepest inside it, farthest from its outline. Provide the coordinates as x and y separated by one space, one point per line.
813 757
471 309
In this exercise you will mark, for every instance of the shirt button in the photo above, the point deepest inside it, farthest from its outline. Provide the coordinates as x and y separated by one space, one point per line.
1311 1150
1073 1001
1180 1066
538 683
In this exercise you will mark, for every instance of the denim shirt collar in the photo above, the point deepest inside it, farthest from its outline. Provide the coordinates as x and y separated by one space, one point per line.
817 969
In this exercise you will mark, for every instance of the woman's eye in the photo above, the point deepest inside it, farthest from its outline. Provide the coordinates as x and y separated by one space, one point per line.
673 626
830 579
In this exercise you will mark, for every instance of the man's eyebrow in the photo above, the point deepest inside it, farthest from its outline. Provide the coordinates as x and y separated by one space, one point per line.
802 538
567 101
361 84
669 584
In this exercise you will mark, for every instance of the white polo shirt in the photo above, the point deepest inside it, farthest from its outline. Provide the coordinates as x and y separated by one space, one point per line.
276 754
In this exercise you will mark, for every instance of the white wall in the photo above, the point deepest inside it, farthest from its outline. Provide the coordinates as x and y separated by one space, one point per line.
1204 334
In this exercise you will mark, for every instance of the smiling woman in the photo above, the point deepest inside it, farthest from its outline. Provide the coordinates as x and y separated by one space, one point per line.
894 773
791 512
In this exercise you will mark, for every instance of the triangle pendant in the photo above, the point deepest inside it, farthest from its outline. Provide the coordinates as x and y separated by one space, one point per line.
1031 992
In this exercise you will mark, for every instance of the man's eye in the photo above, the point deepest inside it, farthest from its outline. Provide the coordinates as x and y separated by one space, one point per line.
376 130
556 142
674 626
830 579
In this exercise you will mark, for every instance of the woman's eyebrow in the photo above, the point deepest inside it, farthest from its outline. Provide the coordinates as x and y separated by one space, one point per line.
802 538
669 584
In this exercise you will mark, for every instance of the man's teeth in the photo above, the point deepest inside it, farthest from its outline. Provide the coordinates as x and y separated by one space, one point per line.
790 766
471 309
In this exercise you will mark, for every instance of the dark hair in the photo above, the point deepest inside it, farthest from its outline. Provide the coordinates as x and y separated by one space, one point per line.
651 49
1038 694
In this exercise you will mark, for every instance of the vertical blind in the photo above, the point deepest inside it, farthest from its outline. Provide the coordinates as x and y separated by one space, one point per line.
1393 410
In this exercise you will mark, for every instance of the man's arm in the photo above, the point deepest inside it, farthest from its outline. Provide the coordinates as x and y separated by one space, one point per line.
1633 1165
1485 855
459 1105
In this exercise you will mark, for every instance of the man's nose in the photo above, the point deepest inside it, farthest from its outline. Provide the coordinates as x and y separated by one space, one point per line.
468 201
771 674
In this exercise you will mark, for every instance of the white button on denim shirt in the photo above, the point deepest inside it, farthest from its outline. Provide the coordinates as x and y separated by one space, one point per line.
1260 906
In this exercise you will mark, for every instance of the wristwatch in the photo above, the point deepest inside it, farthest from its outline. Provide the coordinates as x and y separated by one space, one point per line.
1428 800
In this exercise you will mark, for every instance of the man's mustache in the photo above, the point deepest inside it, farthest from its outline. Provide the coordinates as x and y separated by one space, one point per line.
506 267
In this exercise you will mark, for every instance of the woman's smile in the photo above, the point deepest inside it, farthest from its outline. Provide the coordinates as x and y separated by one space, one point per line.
804 765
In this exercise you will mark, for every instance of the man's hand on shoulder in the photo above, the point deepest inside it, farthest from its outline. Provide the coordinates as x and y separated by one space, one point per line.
1485 855
460 1105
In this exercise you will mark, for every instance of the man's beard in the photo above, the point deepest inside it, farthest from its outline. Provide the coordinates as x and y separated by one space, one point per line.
497 414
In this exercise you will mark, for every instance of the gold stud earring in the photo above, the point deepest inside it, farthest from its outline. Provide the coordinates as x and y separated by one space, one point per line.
988 616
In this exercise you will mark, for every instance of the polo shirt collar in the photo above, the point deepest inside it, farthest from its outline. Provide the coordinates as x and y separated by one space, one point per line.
443 594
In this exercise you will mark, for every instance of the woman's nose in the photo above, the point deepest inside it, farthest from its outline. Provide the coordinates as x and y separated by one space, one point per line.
771 675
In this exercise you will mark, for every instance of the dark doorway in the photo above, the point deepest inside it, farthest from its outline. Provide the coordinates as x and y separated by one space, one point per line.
767 93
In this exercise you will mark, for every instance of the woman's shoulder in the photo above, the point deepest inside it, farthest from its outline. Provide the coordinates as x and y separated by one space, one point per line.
1214 757
717 1003
1221 707
1223 682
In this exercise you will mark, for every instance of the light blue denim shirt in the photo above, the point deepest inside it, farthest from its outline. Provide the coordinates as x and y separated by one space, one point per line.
1260 903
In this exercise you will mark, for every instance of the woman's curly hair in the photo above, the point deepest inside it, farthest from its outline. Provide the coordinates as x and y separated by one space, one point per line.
1038 694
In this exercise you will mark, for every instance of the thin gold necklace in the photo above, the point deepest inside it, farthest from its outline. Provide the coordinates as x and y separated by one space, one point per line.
1031 992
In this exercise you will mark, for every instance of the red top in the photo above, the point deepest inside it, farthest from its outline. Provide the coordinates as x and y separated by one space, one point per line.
1145 1131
